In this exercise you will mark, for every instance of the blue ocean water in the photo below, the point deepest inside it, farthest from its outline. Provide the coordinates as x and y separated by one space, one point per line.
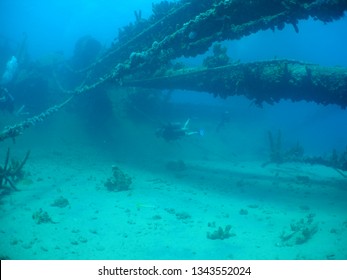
211 195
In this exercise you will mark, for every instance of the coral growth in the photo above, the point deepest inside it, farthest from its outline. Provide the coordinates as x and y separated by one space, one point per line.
296 154
220 233
300 232
42 217
219 58
278 155
12 171
119 181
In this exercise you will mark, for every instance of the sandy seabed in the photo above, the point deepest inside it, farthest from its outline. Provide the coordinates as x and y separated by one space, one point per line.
210 209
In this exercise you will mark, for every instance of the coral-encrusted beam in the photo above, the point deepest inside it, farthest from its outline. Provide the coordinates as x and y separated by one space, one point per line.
266 81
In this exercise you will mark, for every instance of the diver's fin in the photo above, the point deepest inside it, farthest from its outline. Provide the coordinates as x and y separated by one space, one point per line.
186 124
200 132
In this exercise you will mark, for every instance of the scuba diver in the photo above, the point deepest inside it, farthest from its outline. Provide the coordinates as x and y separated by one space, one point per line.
175 131
6 100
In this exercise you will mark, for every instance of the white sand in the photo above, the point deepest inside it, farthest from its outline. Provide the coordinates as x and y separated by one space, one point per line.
142 223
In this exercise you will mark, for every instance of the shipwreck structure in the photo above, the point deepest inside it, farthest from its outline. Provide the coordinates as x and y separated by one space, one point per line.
142 54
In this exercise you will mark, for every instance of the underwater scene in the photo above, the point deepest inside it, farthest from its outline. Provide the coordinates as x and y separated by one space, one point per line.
187 129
